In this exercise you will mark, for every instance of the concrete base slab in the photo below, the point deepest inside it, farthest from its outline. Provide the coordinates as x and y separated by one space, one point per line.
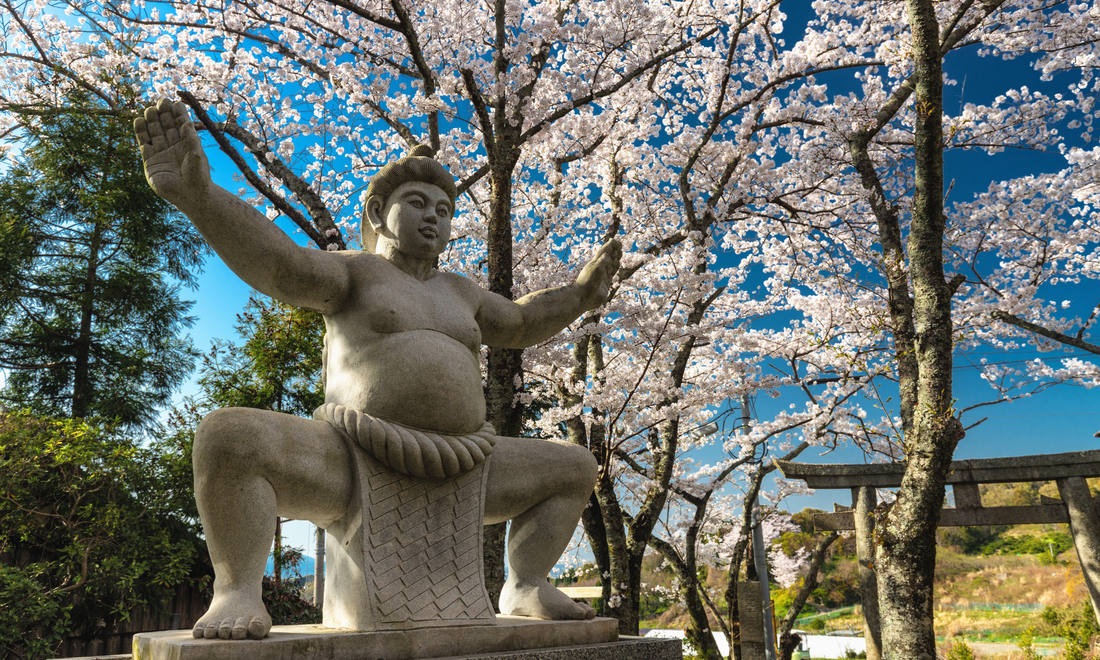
627 648
510 635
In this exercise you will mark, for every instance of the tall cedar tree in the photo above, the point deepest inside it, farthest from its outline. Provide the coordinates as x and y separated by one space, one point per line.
92 268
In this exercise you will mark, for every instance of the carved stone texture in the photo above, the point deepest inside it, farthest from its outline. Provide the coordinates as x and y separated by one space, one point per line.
514 638
752 621
408 553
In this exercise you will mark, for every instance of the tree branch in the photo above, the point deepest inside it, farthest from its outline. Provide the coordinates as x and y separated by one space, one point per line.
1005 317
254 180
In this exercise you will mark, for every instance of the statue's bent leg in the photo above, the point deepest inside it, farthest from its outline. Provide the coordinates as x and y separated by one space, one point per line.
251 465
542 486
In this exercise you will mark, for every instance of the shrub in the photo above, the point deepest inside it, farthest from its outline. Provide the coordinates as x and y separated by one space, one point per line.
959 650
283 598
1026 644
86 534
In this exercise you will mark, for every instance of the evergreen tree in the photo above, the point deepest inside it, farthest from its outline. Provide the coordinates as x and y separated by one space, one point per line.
91 270
278 367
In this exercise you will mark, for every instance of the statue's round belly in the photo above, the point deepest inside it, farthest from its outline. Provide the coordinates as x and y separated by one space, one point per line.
419 378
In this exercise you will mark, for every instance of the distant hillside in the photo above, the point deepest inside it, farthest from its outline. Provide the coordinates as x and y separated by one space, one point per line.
304 569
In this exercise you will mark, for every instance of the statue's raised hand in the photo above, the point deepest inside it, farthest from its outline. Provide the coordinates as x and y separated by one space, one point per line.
596 277
175 164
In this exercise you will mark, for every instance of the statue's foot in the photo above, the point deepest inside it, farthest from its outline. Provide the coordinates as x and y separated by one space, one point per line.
541 601
234 616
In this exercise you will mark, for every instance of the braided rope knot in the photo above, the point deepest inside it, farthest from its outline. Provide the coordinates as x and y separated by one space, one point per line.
411 451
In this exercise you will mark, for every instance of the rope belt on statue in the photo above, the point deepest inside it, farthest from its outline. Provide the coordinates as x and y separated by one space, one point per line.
411 451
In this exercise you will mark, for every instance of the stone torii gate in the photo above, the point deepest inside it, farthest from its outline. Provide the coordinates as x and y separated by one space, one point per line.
1068 470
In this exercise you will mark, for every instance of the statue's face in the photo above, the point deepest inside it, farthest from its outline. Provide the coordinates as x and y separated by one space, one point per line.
415 219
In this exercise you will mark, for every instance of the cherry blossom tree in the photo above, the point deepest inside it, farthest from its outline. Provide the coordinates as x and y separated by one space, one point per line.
837 214
876 252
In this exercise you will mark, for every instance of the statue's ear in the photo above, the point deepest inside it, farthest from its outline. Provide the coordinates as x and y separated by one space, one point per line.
374 213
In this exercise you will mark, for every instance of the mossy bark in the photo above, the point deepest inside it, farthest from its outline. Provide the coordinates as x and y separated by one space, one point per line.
905 537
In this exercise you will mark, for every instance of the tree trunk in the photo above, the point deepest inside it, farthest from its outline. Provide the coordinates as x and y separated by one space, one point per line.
620 603
906 547
493 544
505 365
82 385
277 552
698 632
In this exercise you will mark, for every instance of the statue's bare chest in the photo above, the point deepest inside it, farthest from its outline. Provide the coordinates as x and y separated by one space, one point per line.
403 304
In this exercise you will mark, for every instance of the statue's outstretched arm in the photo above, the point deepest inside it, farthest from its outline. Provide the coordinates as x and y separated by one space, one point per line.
250 244
540 315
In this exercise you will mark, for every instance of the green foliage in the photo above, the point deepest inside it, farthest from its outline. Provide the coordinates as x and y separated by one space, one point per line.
284 603
1077 625
25 604
782 599
86 531
1026 643
991 540
1025 493
278 367
959 650
1077 643
816 624
1030 545
838 587
91 266
972 540
283 598
805 520
653 604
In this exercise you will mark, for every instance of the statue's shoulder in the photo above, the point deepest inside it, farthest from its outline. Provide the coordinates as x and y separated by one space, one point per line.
457 279
467 287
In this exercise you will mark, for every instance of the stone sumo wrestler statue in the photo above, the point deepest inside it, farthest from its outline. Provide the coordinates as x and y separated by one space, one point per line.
402 342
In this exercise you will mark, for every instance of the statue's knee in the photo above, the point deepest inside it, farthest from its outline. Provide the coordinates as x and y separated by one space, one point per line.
228 436
582 465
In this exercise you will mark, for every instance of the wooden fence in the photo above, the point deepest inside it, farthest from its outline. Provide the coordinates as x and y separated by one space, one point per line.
185 608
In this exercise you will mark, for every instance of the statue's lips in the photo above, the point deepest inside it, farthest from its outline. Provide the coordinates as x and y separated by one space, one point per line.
429 231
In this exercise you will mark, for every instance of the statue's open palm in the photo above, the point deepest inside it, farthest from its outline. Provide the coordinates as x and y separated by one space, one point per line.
175 164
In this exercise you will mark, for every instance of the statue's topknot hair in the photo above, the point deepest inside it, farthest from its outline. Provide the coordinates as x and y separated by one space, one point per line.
418 165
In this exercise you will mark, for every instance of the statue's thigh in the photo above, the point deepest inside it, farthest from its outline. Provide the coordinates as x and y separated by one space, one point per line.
306 461
523 472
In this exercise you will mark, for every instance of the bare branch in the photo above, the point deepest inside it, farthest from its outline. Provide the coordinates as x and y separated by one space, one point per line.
1011 319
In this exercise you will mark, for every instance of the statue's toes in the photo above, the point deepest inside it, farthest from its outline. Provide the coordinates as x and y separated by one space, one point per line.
211 631
198 632
240 627
257 628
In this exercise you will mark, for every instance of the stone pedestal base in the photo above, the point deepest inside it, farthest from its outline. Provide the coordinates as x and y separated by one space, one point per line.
512 636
